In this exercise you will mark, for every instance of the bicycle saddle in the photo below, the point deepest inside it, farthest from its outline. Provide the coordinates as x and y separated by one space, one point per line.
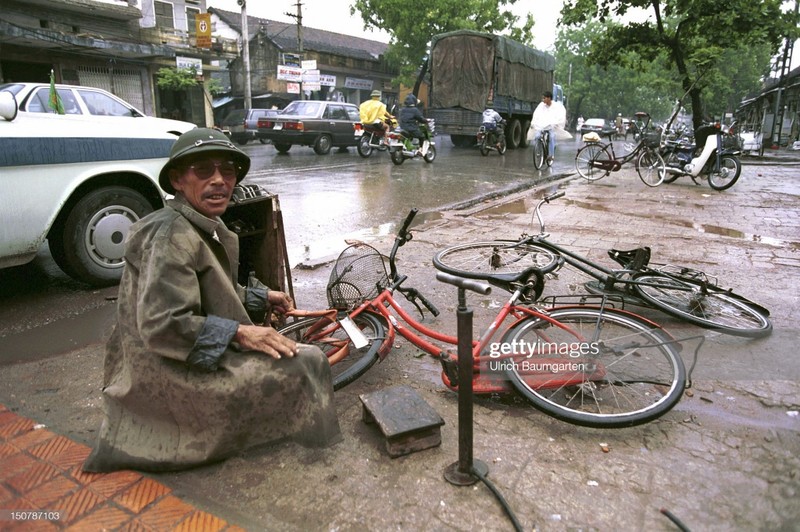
634 259
506 281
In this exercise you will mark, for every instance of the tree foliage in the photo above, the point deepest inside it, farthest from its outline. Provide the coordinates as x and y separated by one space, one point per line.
175 79
691 38
411 25
645 83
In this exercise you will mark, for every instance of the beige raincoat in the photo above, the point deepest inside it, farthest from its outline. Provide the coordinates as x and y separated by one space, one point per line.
177 391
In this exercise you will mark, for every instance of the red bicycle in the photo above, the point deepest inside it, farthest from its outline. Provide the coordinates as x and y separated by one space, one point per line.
588 364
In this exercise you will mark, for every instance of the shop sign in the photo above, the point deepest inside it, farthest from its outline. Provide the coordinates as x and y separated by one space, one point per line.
356 83
187 63
290 73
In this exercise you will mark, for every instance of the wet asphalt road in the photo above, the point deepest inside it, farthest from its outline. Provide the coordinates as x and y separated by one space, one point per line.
342 195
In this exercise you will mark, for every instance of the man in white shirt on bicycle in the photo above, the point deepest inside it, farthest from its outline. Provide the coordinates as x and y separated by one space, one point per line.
549 115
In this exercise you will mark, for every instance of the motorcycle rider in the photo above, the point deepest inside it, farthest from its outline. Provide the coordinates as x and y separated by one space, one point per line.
491 121
548 115
373 113
408 118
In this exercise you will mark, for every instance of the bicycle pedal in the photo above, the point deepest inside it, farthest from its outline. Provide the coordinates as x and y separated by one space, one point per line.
450 368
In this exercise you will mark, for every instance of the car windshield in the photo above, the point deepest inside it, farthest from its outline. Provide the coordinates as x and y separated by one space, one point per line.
299 108
595 122
13 88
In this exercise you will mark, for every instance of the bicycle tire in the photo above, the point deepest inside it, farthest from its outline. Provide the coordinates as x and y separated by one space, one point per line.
538 154
716 309
728 174
584 158
479 260
630 371
357 361
651 167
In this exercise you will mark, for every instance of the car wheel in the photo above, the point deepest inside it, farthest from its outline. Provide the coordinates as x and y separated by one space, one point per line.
91 242
322 146
242 142
263 141
281 147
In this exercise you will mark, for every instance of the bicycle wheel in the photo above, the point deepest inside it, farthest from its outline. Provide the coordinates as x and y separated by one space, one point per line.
584 161
650 167
596 367
331 338
478 260
538 153
711 308
729 170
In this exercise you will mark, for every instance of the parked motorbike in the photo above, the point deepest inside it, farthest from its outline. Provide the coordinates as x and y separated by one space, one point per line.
371 137
402 147
489 140
706 155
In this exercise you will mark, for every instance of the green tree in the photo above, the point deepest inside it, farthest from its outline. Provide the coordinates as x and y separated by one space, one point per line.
693 36
411 25
596 91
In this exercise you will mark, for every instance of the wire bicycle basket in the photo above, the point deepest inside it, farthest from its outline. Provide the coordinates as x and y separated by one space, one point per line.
359 274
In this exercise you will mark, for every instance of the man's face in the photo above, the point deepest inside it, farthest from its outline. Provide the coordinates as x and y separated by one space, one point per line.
206 183
547 100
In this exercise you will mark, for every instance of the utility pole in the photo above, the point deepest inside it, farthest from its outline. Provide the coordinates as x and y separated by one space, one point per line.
248 97
785 66
299 18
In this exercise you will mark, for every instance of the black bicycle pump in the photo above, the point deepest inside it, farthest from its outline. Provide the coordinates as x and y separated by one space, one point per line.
461 473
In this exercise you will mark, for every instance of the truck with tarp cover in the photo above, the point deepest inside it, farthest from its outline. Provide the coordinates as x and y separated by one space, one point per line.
471 71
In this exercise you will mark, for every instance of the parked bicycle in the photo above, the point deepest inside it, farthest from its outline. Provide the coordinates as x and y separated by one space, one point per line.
540 149
591 365
684 293
596 160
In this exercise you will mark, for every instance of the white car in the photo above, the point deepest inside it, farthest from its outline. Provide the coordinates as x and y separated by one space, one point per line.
85 102
76 184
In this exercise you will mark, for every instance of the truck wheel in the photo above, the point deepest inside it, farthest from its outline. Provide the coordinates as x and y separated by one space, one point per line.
282 148
513 133
523 141
90 244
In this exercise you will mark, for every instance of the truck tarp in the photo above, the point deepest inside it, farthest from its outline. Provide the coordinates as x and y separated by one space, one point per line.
462 67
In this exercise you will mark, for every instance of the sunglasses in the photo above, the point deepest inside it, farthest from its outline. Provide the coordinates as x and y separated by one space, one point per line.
206 169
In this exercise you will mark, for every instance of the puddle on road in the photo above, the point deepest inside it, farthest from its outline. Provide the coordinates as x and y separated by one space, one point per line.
333 245
701 228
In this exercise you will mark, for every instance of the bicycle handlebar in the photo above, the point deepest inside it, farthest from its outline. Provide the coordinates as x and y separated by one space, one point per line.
402 233
537 211
402 237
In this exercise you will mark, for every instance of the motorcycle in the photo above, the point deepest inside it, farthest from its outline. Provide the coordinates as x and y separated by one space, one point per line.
402 147
371 137
487 141
706 155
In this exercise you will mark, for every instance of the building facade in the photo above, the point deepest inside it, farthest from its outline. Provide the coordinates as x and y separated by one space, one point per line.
348 68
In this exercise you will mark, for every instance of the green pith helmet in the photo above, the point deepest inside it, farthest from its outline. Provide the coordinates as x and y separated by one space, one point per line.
202 140
376 94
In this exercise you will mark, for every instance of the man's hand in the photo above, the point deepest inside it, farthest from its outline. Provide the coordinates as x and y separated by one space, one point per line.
280 301
265 340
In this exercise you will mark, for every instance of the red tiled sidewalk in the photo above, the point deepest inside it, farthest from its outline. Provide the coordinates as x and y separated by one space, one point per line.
41 470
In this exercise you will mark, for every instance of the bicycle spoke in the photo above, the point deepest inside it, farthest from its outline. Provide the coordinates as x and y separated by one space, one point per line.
631 375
